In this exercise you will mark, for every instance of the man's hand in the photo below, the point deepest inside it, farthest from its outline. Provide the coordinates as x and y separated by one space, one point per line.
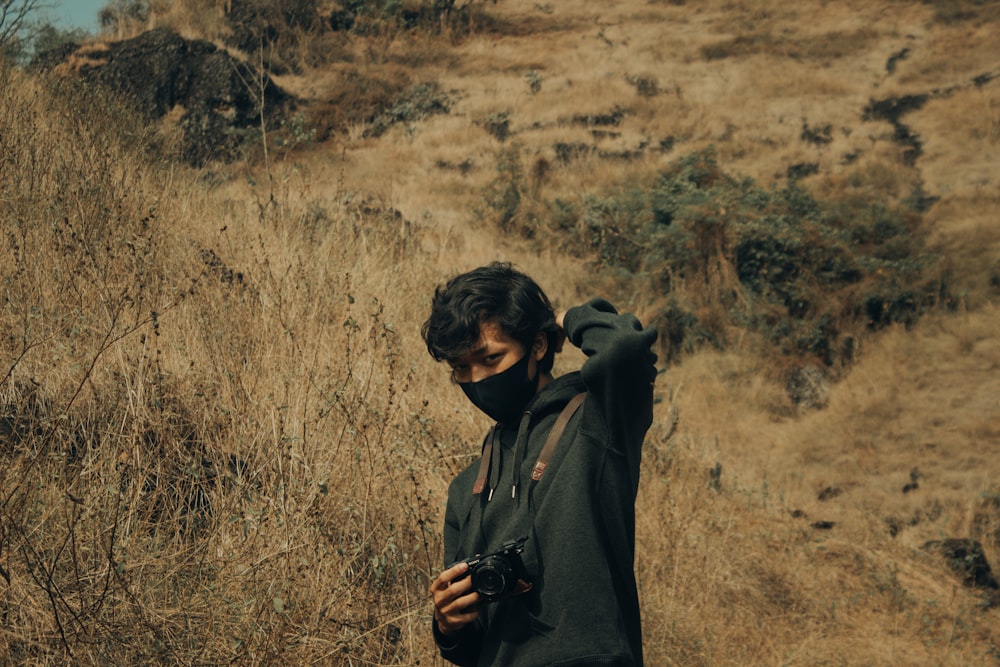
455 603
560 314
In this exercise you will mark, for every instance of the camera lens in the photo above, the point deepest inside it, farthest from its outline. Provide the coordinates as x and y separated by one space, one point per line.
491 578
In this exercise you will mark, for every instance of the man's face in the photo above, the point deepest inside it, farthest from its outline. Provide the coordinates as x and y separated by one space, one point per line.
493 353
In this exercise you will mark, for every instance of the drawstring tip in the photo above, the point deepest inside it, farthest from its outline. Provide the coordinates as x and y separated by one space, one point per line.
513 491
490 496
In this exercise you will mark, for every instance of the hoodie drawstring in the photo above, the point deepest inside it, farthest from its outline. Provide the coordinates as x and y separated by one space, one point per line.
519 449
490 472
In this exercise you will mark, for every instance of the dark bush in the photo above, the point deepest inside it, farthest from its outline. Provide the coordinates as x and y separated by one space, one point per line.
417 103
428 15
681 332
503 195
567 152
222 98
498 125
272 29
809 276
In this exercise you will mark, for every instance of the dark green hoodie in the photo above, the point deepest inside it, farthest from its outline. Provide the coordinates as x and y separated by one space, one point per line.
579 518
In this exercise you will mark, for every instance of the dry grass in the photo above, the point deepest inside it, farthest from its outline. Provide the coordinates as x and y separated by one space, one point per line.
223 442
202 403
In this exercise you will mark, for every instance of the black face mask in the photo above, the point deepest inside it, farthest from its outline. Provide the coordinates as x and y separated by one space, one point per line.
503 396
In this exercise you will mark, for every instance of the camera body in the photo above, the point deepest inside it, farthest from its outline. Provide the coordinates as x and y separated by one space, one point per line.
496 575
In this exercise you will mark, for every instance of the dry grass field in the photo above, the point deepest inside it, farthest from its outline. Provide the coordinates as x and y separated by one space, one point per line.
221 439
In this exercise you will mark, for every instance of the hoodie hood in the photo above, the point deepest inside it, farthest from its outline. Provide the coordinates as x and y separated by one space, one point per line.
554 396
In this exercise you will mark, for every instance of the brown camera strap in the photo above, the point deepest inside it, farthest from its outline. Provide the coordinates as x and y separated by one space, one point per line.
553 439
543 457
484 462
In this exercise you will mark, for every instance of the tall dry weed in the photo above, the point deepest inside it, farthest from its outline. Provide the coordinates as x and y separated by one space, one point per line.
212 453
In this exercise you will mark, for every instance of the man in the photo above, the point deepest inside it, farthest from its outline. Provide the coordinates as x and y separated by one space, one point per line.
575 600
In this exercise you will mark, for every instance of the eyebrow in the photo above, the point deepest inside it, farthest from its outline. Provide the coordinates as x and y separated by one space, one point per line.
474 352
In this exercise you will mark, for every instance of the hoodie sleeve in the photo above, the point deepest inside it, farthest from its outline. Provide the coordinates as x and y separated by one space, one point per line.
619 372
463 647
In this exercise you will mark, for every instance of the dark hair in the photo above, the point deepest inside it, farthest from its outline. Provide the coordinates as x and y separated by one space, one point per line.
497 293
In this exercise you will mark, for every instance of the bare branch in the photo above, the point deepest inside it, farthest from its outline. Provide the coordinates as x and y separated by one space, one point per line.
13 16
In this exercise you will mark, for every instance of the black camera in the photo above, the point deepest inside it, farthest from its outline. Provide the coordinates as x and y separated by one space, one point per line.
496 575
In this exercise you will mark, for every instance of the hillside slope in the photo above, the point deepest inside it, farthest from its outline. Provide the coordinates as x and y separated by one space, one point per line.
896 98
224 441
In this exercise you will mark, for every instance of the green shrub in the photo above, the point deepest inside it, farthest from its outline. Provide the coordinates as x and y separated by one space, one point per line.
806 275
534 80
498 125
417 103
428 15
503 195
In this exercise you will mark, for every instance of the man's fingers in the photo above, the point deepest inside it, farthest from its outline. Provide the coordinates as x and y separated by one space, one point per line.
455 603
450 576
454 600
456 571
461 605
452 621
